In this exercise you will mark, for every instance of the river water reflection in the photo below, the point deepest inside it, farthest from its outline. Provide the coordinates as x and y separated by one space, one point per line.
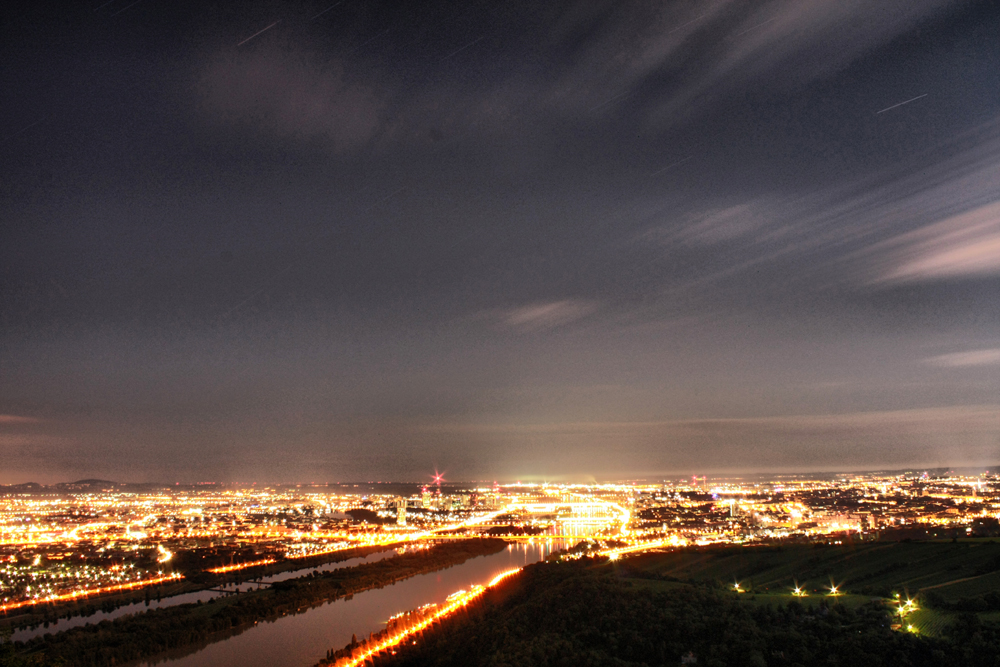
301 640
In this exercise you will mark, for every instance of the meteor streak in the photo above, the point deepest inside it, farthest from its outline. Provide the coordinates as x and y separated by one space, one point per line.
900 104
259 33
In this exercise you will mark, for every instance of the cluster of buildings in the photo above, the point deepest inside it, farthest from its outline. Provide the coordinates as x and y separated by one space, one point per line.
92 535
912 505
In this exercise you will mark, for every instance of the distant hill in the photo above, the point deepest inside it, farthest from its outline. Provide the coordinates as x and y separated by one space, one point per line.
95 485
87 485
27 487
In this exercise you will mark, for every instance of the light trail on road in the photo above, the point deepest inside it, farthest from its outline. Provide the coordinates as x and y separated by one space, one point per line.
241 566
455 602
75 595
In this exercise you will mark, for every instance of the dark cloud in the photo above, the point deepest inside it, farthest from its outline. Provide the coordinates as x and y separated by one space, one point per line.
292 97
923 437
291 253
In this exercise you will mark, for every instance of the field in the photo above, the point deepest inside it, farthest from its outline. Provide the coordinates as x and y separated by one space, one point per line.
952 569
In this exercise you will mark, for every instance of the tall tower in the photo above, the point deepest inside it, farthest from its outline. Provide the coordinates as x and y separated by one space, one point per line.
401 513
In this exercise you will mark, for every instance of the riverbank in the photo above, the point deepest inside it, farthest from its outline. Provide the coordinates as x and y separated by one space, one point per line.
145 635
44 616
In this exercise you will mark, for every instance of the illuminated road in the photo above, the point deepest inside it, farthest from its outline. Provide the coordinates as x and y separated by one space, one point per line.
242 566
85 592
367 650
456 601
638 547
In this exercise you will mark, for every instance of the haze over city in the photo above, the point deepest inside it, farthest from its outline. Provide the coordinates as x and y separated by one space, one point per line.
301 242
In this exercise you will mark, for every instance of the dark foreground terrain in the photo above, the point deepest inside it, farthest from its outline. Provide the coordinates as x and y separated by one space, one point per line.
680 608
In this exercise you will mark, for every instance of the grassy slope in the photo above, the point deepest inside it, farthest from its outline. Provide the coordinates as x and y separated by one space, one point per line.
954 570
573 614
865 568
652 608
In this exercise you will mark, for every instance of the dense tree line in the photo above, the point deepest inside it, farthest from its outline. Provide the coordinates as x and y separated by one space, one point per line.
9 656
157 630
587 613
980 603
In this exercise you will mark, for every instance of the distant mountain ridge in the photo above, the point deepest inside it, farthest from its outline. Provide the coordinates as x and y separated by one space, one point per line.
85 485
27 486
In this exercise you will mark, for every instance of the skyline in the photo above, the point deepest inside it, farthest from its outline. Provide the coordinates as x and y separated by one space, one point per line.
531 481
283 242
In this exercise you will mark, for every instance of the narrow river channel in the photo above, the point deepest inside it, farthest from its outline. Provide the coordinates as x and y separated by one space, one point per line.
300 640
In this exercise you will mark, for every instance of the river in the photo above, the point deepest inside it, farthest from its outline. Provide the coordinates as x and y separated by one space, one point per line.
25 634
300 640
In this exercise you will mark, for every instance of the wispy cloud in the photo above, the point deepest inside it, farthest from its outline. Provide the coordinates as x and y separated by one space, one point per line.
967 244
16 419
936 218
989 357
727 224
974 417
547 315
804 40
947 435
652 59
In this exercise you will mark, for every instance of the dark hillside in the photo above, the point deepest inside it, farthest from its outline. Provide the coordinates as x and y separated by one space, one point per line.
660 608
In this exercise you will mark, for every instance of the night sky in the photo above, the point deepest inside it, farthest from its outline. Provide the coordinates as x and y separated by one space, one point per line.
275 242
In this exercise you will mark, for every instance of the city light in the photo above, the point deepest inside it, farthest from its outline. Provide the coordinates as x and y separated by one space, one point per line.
455 601
76 595
242 566
63 545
